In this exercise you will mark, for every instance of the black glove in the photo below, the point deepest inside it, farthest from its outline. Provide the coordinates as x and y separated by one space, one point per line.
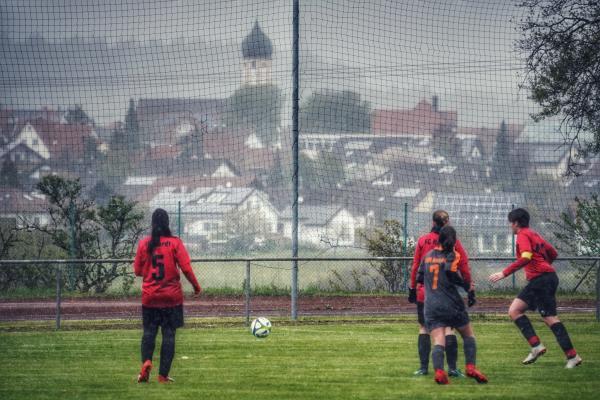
471 298
412 295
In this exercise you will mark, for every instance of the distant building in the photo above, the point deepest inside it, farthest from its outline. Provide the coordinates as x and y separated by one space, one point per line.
257 52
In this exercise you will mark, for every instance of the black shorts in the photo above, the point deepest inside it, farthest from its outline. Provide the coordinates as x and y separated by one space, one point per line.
167 317
455 320
421 313
540 294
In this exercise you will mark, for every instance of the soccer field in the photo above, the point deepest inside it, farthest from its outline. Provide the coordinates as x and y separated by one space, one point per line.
358 360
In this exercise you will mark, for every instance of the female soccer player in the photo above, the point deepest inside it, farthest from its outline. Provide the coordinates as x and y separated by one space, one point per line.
416 295
156 261
444 307
536 255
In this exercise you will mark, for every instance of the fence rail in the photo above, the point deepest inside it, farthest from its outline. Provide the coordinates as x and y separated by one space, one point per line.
248 261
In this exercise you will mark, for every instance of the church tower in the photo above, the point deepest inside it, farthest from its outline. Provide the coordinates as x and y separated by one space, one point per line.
257 52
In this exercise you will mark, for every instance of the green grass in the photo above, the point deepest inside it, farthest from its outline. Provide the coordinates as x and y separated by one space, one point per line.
341 359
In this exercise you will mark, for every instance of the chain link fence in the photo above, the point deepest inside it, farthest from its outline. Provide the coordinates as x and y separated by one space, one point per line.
244 287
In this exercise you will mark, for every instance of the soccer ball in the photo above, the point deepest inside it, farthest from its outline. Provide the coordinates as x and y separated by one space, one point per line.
260 327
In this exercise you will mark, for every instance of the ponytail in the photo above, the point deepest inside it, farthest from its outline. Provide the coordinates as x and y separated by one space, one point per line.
160 227
447 238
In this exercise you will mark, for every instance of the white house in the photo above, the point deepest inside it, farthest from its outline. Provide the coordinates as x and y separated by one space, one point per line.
219 213
326 225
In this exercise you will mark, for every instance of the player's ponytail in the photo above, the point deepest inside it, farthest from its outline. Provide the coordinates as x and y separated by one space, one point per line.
447 238
160 227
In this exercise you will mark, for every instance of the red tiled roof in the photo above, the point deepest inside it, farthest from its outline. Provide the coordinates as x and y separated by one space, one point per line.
421 120
16 201
64 141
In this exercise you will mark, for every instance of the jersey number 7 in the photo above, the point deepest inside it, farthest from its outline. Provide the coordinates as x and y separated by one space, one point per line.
435 268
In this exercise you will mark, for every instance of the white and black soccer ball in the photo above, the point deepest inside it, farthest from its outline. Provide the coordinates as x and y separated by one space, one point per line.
260 327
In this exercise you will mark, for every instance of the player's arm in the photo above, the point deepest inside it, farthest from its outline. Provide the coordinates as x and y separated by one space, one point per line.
452 272
551 253
463 264
525 256
421 273
415 265
140 260
184 262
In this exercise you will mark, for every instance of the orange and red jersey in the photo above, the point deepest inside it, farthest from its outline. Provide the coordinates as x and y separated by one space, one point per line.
161 286
534 253
425 244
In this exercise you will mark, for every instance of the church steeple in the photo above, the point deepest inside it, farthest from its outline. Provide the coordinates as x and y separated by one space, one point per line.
257 52
257 45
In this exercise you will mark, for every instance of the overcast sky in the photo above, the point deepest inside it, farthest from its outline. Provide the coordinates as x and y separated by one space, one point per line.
392 52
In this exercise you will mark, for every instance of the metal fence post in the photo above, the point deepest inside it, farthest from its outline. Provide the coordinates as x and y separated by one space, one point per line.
514 278
58 294
405 279
179 218
247 292
598 294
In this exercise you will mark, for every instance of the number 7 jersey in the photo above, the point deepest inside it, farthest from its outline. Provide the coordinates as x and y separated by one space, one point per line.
161 285
441 294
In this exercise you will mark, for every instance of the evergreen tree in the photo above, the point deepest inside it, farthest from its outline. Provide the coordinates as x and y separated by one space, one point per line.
501 161
9 176
132 127
258 108
76 115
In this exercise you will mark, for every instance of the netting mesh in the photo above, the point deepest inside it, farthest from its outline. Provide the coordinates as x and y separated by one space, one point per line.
406 107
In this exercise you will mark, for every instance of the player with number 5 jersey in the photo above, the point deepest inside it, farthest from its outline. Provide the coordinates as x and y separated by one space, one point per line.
158 260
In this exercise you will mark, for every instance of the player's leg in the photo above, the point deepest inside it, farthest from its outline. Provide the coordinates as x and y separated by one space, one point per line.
167 352
424 342
547 308
437 355
452 353
517 314
150 327
470 349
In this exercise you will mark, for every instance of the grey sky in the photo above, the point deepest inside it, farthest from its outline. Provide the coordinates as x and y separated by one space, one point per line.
392 52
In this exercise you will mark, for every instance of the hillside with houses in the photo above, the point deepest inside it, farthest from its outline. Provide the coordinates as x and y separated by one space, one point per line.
223 165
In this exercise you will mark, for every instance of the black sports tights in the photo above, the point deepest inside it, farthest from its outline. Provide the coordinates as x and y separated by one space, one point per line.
167 349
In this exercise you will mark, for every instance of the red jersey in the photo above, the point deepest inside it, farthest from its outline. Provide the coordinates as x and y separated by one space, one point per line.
162 287
425 244
534 253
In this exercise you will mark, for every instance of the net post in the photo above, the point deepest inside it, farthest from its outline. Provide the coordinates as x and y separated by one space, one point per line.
247 293
58 295
295 134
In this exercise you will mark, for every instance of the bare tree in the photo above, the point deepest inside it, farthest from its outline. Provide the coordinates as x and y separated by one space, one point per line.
561 39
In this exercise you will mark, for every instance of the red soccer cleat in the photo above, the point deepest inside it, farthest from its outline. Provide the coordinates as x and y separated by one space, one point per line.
165 379
145 372
473 372
441 378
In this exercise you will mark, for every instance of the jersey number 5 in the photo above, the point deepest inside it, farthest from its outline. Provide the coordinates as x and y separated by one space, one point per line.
435 268
157 263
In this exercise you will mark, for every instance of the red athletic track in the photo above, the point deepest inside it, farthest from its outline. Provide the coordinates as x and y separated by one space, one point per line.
234 306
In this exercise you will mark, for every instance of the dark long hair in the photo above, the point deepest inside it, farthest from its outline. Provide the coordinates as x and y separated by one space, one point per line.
447 238
160 227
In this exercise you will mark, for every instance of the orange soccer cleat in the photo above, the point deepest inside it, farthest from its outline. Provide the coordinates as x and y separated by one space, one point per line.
145 372
473 372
